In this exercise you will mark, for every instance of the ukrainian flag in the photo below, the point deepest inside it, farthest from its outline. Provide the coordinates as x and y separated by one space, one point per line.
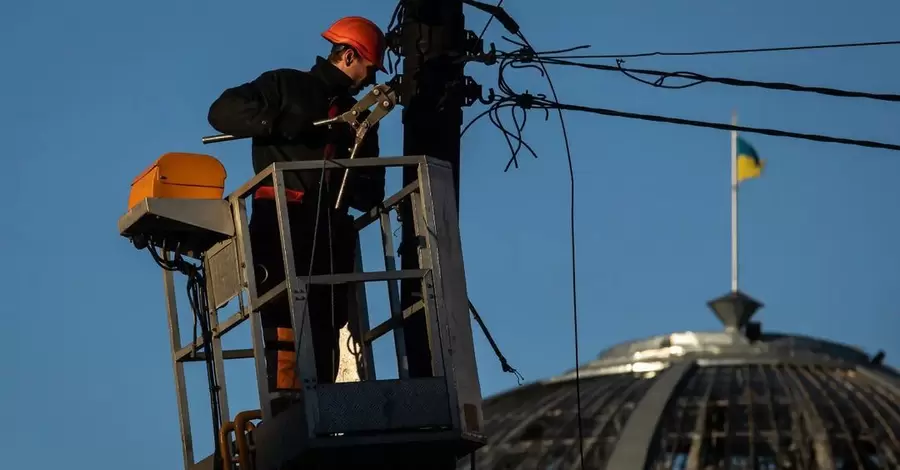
748 163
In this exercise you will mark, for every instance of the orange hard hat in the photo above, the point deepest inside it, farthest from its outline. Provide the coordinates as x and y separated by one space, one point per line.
364 36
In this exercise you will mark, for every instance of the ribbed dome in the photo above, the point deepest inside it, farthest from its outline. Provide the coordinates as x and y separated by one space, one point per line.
703 401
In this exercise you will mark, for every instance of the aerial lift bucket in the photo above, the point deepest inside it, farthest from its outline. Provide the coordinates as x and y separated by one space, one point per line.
176 206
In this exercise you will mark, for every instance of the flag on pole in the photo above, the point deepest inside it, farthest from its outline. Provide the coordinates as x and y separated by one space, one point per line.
748 163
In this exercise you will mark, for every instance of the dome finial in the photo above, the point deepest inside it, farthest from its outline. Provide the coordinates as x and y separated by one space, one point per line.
734 309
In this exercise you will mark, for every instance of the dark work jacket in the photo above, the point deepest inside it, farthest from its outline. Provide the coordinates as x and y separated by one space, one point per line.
277 110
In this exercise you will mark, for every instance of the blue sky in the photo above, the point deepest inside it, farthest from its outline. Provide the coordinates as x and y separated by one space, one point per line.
94 91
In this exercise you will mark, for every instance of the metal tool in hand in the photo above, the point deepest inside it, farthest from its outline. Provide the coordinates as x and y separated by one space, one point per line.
384 98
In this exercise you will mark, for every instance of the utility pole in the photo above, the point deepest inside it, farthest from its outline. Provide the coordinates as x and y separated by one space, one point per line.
432 41
433 89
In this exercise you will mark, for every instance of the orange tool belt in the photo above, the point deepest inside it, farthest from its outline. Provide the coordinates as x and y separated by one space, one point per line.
268 192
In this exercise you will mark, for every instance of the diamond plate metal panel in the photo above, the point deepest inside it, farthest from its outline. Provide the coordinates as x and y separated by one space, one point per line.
223 276
383 405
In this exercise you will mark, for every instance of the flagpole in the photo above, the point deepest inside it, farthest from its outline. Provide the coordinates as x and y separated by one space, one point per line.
734 207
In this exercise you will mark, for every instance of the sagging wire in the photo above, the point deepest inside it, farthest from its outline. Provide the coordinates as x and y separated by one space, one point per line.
544 104
574 277
738 51
527 101
507 101
487 24
199 302
526 57
503 362
512 100
298 338
697 79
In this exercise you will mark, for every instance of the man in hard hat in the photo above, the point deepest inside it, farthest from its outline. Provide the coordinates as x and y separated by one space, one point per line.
278 110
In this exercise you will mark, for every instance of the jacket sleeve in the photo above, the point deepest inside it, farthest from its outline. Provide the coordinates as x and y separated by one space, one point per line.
367 183
258 109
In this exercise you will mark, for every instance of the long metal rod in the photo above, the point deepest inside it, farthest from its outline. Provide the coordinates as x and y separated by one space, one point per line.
248 267
227 355
340 194
212 139
734 208
218 366
390 265
362 326
184 417
317 165
369 276
390 203
428 323
387 162
393 323
254 183
298 297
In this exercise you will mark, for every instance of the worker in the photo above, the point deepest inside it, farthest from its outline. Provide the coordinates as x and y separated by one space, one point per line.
277 110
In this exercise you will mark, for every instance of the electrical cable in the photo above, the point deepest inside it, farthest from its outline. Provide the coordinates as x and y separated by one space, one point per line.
396 22
737 51
504 364
512 100
196 290
392 54
199 302
498 103
715 125
299 333
333 359
527 101
526 58
572 244
489 21
699 78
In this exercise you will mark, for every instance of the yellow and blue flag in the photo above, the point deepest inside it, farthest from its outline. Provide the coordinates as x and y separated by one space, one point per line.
748 163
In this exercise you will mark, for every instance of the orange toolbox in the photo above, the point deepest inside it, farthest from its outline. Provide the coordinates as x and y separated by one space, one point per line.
180 176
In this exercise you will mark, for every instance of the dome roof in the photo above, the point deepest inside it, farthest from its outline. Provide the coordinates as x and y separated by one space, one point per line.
704 400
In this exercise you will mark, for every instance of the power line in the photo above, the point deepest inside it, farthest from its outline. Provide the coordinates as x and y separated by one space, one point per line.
526 101
574 275
498 103
489 21
699 78
527 58
538 103
737 51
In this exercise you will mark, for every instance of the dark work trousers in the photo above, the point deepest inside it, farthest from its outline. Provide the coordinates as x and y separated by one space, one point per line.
327 304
